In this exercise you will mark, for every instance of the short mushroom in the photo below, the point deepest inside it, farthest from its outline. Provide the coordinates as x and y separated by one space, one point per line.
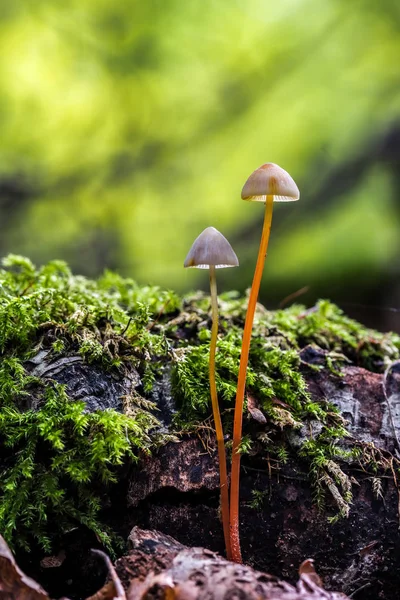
211 250
269 183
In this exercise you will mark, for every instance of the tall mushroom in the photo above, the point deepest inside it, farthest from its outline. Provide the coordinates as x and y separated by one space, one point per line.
211 250
269 184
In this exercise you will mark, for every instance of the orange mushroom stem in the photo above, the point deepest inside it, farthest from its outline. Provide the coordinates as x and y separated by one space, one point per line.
267 184
211 250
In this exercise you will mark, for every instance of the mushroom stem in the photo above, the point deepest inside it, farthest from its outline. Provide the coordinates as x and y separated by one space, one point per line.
244 359
223 475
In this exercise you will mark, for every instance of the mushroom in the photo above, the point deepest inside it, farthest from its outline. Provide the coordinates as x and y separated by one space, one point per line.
269 184
211 250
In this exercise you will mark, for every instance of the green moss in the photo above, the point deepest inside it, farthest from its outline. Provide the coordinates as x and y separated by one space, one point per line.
278 337
277 385
58 461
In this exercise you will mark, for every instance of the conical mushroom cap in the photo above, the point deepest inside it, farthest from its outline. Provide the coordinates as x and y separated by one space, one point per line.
270 180
211 248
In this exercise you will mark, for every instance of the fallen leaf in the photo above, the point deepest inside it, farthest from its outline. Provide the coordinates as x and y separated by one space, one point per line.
161 586
310 581
112 590
14 582
252 406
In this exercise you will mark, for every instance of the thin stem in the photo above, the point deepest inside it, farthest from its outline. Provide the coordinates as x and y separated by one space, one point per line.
244 359
223 475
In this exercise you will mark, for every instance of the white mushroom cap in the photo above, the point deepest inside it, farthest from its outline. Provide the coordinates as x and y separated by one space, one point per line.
211 248
270 180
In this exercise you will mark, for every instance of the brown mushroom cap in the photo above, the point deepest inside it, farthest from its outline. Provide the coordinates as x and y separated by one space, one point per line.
270 180
211 248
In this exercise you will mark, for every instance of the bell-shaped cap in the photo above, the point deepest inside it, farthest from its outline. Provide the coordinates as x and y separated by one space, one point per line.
270 180
211 248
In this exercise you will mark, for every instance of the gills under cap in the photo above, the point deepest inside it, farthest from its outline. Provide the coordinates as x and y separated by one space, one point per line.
270 180
211 249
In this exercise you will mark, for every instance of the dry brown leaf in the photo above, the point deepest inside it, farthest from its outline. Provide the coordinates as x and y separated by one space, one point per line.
255 412
14 584
107 592
275 400
113 589
161 585
307 568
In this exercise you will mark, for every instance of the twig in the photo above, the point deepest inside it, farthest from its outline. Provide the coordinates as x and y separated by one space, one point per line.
126 328
119 590
293 296
363 587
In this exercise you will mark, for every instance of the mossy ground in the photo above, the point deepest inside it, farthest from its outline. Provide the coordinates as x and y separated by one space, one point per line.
276 386
56 461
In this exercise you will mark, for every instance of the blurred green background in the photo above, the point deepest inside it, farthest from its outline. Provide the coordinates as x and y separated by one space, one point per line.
128 127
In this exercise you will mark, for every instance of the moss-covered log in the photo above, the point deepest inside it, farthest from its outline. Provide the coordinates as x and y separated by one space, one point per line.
105 423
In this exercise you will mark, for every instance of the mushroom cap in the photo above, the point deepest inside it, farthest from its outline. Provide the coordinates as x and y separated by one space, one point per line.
270 180
211 248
